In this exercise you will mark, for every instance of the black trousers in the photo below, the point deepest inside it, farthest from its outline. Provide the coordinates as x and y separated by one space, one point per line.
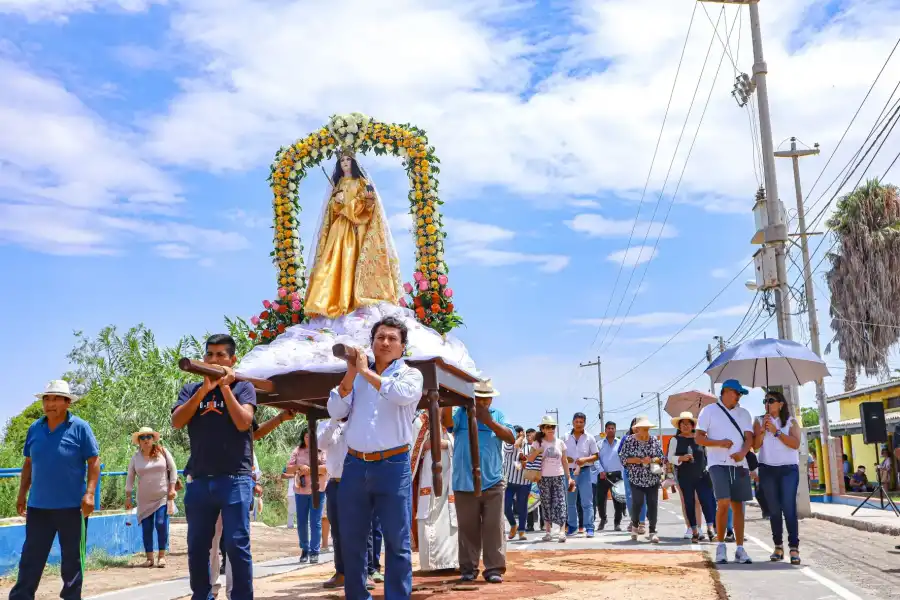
41 527
603 487
640 495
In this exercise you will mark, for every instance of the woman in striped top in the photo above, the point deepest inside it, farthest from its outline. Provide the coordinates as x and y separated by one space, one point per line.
517 488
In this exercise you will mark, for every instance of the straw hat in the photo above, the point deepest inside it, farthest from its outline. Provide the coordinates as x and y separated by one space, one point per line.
144 431
547 421
485 389
58 387
643 421
684 416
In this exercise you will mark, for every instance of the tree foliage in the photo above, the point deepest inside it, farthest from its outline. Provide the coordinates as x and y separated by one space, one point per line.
864 279
809 417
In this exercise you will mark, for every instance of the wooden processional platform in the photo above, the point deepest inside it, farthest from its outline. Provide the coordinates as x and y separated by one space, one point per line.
307 392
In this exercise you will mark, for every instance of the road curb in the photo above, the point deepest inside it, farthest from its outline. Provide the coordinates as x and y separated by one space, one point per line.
861 525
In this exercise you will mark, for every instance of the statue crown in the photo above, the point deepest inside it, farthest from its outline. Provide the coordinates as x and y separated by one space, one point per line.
347 152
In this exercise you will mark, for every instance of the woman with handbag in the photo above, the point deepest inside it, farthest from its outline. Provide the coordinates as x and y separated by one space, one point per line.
155 470
777 438
642 456
689 461
555 478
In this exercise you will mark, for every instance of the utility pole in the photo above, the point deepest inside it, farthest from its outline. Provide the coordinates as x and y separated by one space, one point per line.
599 385
555 413
709 359
775 232
658 411
829 461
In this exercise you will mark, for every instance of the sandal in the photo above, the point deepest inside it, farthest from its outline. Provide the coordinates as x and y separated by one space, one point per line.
778 554
795 556
695 538
147 563
161 563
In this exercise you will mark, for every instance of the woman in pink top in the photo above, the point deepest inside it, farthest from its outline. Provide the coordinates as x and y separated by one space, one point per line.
555 478
309 519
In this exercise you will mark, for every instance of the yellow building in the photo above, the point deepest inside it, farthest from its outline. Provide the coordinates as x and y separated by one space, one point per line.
849 429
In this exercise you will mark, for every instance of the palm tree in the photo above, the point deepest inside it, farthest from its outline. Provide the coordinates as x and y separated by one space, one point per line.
864 279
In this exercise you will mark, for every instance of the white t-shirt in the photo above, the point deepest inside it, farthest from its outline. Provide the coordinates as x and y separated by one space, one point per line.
718 426
551 465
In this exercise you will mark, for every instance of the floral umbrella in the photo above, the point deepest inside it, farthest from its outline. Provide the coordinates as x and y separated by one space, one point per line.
691 401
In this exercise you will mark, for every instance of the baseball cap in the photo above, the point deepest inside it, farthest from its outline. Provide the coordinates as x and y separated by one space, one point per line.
734 384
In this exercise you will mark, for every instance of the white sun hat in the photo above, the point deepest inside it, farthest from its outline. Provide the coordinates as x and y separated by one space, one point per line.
57 387
485 389
643 421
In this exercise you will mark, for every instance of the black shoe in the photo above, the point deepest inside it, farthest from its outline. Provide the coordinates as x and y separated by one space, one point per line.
493 578
467 577
313 559
602 526
729 536
304 557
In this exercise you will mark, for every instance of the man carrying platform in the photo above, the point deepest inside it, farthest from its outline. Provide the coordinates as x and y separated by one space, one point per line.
379 405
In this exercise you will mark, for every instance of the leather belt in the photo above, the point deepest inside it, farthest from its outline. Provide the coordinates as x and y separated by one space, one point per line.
379 455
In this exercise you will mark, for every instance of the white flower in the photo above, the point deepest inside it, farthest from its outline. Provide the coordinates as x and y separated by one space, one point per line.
440 256
342 130
348 140
289 252
292 186
402 152
315 152
389 148
379 145
293 174
353 128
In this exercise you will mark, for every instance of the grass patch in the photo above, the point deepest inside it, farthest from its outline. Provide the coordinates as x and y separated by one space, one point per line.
97 560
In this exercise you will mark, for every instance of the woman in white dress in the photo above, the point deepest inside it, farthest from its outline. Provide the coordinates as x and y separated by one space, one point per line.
434 516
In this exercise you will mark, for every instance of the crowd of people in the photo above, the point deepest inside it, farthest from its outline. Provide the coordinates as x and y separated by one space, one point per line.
374 468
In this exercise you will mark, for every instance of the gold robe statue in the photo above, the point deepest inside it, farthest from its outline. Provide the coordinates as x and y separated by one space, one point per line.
353 265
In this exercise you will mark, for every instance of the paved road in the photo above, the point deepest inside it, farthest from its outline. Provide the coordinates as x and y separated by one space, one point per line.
838 562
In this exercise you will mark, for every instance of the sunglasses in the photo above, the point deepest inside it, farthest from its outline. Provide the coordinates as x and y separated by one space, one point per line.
144 438
771 401
548 427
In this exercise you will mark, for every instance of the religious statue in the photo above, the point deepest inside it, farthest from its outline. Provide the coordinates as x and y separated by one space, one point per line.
355 263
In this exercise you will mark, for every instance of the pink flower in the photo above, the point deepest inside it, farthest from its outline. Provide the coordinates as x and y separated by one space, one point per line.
403 301
442 279
448 292
282 292
407 287
267 304
255 320
417 276
295 296
423 285
295 305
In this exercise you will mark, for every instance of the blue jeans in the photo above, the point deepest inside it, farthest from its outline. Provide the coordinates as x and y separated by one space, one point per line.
331 505
516 504
702 488
204 499
381 489
779 484
41 526
584 489
309 524
158 521
643 515
373 546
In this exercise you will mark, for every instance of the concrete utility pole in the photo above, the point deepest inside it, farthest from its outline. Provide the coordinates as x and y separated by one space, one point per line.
829 462
599 385
776 229
709 359
555 413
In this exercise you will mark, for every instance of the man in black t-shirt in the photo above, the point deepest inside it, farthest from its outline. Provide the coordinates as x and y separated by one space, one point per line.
219 418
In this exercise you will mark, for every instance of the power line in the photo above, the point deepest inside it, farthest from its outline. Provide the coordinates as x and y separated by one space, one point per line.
677 186
649 172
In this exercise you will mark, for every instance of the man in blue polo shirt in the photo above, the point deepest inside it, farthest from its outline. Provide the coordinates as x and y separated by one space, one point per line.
219 418
60 449
480 518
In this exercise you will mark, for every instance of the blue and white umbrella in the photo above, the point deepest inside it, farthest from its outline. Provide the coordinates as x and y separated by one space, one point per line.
768 362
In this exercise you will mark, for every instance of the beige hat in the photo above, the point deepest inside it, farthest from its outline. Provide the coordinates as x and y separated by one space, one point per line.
643 421
485 389
684 416
144 431
57 387
547 420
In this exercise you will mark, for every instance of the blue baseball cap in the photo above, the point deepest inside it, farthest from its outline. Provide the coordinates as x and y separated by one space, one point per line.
734 384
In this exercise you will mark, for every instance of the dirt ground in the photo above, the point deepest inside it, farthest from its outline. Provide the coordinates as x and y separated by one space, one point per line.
267 542
560 575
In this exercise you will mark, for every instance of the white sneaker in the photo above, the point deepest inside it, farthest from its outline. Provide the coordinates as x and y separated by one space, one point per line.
721 554
634 535
741 556
689 533
547 537
653 538
562 536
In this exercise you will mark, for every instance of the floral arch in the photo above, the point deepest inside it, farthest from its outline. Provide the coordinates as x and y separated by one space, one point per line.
429 294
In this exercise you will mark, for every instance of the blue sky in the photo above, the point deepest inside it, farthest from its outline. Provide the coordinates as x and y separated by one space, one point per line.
135 138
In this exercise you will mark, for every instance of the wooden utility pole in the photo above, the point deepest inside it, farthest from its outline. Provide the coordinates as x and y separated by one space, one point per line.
599 385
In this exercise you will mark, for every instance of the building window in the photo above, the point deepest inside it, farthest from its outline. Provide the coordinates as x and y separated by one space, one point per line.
893 402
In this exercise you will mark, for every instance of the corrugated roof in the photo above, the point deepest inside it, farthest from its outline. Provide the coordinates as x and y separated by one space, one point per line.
866 390
889 418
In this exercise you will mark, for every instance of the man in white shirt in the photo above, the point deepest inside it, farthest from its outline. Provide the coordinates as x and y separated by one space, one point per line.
582 452
610 470
379 404
726 430
331 441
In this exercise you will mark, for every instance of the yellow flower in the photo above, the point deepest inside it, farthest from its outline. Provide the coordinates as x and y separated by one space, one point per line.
432 238
434 285
421 241
429 220
291 270
420 222
283 280
418 195
430 229
427 210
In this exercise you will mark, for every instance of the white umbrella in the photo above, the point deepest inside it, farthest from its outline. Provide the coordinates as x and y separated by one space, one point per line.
768 362
690 402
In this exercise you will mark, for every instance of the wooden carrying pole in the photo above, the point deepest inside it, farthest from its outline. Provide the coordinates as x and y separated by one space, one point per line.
215 372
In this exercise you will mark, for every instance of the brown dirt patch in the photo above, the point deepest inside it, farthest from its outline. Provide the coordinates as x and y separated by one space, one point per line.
267 542
560 575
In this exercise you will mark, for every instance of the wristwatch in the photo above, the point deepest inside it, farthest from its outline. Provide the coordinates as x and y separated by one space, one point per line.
778 433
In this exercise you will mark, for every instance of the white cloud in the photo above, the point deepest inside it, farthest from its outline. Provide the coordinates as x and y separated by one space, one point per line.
251 220
658 319
689 335
633 256
729 272
175 251
472 242
598 226
44 9
584 204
